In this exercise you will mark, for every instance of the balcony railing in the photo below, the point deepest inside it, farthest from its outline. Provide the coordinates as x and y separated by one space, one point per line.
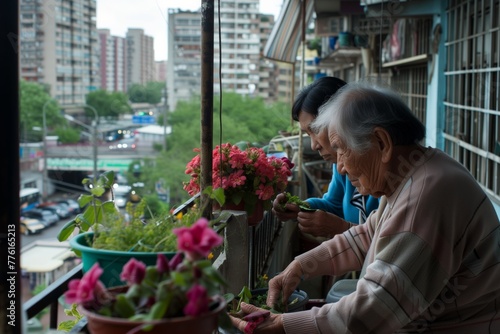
248 252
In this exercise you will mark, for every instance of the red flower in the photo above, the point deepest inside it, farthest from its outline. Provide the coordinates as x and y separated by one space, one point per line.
133 272
82 290
197 301
198 240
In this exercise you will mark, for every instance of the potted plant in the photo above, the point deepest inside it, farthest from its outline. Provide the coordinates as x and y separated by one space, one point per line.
106 237
246 180
180 295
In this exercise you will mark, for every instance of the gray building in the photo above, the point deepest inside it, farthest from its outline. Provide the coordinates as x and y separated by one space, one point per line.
59 47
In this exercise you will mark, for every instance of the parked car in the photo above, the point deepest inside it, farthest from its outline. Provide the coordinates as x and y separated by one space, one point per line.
60 209
47 217
30 226
73 205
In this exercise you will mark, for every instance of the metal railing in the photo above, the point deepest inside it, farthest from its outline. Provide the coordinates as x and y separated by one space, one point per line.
247 254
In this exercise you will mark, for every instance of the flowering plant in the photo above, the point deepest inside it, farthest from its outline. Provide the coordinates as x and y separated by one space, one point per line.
241 175
186 285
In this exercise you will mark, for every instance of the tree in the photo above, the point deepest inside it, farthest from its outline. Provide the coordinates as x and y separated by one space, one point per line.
33 97
150 93
107 104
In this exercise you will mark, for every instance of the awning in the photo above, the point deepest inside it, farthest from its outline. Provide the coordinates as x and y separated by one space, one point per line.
285 38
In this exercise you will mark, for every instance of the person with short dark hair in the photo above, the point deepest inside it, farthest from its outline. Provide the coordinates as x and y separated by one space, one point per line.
429 255
337 211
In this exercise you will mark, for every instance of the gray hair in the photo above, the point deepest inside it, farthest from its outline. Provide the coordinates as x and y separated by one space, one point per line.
358 108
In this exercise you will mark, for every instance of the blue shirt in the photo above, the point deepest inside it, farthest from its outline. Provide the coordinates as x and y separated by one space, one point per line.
337 199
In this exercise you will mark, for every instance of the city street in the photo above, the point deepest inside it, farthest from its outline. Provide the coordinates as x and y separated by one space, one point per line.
47 234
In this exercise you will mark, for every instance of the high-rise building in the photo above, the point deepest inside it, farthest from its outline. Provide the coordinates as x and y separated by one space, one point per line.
267 87
184 56
59 47
113 69
161 71
141 57
240 63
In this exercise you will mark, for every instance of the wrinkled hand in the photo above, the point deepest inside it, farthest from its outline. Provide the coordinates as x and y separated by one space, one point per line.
283 284
258 321
321 223
288 212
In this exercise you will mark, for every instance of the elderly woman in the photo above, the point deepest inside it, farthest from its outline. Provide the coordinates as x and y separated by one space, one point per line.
429 256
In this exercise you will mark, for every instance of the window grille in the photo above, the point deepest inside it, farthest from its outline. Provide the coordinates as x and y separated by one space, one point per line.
472 101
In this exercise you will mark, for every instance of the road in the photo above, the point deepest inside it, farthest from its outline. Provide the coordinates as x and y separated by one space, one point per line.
47 234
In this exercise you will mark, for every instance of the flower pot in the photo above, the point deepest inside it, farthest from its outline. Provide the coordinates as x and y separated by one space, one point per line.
111 261
203 324
253 218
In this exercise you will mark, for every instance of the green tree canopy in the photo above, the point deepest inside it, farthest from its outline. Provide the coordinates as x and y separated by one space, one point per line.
107 104
33 97
151 93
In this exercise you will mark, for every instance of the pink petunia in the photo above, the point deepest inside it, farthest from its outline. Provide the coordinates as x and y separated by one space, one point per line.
198 240
162 263
197 301
82 290
133 272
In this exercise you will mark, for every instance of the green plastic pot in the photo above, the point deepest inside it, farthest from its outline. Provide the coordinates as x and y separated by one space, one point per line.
111 261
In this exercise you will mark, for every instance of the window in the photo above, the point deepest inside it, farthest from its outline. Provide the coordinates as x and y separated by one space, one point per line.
472 102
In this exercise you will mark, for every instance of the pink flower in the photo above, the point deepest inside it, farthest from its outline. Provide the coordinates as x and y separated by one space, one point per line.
133 272
82 290
288 163
198 240
162 264
197 301
175 261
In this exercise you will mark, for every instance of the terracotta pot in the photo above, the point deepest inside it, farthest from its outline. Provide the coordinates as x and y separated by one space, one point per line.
253 219
203 324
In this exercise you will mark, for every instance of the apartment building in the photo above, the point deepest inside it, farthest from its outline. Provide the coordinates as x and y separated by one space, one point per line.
238 64
59 47
267 88
140 57
113 62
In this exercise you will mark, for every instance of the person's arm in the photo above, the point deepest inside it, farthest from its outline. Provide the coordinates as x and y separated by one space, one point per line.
332 200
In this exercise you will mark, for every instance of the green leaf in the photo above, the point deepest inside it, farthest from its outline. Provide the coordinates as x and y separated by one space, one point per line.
217 194
67 325
109 207
124 307
83 200
66 230
158 310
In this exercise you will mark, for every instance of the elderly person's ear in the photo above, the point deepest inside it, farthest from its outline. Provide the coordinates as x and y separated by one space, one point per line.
383 142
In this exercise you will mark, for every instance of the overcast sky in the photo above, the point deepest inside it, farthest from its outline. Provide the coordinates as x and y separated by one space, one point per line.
151 15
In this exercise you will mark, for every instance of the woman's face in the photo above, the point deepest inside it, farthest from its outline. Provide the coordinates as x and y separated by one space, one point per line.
365 171
319 142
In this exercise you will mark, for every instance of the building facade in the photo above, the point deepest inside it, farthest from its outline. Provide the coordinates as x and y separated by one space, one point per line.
59 47
238 64
113 62
141 57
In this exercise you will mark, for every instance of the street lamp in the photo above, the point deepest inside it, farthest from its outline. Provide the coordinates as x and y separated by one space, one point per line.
93 130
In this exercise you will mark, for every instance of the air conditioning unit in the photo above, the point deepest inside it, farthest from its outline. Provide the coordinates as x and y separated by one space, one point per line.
329 26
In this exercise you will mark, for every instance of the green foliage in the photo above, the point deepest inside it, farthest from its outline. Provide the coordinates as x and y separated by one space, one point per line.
33 97
150 93
68 325
113 231
108 104
68 135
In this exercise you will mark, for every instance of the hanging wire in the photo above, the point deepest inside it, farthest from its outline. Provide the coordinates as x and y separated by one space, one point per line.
380 41
220 91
